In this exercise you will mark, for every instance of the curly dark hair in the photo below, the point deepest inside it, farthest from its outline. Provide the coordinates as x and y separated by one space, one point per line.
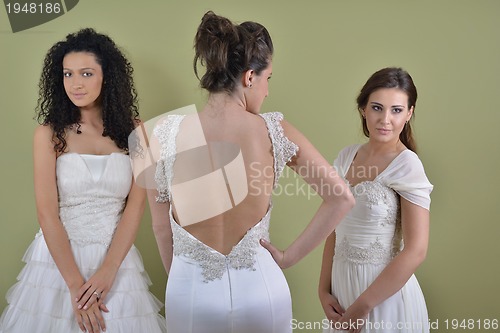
118 94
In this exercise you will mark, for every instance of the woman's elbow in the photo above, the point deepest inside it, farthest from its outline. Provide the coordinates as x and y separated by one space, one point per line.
47 218
338 194
344 198
420 256
417 255
349 199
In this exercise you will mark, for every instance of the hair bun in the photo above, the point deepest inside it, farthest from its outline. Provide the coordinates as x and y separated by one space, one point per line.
227 50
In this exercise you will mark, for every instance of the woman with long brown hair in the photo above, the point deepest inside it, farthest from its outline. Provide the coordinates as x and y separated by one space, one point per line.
367 282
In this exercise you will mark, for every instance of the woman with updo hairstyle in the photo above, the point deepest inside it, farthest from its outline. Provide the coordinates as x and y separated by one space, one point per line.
83 272
367 281
224 275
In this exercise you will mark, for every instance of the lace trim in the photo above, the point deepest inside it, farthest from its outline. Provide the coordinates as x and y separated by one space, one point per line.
377 193
214 264
166 133
375 253
91 220
283 148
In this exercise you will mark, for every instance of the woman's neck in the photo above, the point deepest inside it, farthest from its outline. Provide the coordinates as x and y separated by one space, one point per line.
380 148
224 102
91 116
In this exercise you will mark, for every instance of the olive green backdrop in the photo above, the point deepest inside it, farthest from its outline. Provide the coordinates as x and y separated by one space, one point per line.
325 51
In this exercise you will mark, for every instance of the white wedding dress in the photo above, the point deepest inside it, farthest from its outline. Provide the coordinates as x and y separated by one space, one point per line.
370 236
92 194
208 292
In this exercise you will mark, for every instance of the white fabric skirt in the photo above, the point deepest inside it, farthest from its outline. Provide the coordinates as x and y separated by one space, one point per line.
405 311
242 301
40 301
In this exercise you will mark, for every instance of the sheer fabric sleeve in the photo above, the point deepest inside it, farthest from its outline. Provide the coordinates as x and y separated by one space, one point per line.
283 149
166 133
344 159
407 177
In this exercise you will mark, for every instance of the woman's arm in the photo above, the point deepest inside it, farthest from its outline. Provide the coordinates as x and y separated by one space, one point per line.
47 206
161 228
337 199
415 226
330 304
160 210
123 239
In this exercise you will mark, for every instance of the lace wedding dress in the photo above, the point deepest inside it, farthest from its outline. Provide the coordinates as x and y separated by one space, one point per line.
92 194
208 292
370 236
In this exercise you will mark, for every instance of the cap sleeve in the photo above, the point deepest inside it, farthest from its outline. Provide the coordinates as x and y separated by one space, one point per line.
344 159
283 148
166 132
407 177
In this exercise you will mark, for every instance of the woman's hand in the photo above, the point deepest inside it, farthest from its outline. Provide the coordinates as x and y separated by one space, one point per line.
354 318
278 255
333 310
95 289
76 311
91 320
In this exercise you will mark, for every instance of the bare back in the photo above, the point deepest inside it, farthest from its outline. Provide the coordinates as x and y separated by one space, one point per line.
227 134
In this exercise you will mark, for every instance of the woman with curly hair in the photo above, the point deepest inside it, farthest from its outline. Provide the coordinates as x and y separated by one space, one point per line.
82 270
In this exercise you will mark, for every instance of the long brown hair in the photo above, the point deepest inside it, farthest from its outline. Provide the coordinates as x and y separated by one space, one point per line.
391 77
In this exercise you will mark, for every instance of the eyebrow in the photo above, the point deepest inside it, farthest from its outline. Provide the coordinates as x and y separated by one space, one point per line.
81 69
393 106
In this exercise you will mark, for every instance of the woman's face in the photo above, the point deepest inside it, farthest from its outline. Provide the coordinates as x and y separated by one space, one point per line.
259 90
83 79
386 114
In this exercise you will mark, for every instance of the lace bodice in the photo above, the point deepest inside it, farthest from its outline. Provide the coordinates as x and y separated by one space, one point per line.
242 255
90 207
371 232
214 263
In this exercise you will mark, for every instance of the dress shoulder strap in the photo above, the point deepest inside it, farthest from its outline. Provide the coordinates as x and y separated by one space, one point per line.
166 132
283 149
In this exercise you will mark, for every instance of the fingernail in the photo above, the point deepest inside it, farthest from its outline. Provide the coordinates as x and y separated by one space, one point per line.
85 307
79 306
